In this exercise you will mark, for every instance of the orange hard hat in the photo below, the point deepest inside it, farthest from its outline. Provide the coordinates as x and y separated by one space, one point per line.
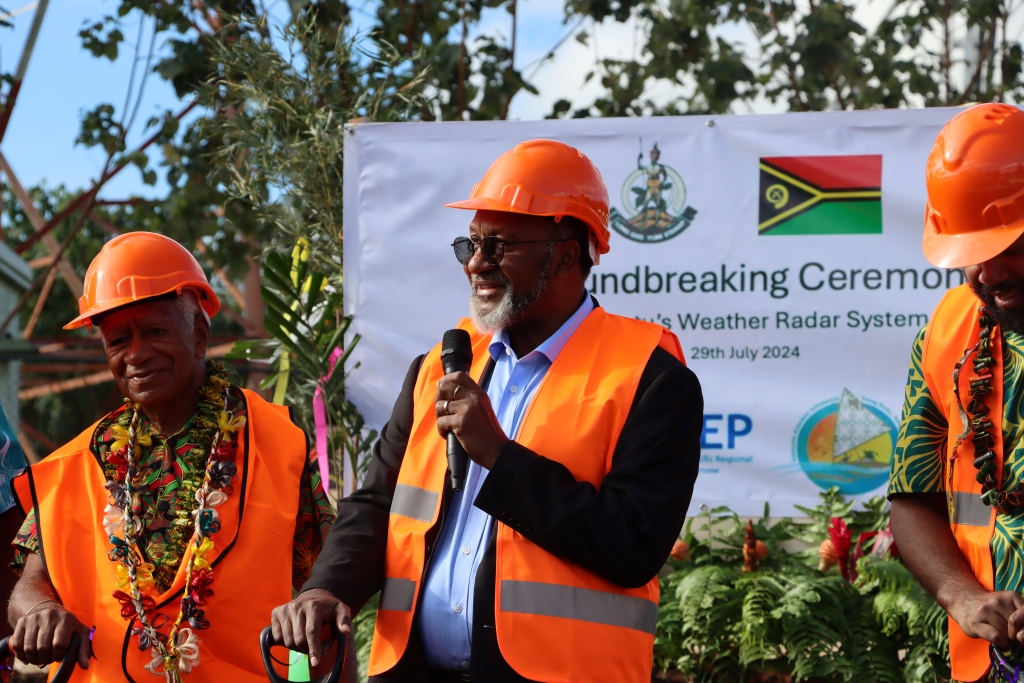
545 178
975 181
137 266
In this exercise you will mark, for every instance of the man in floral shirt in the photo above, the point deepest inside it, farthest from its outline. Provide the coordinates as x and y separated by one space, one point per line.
164 535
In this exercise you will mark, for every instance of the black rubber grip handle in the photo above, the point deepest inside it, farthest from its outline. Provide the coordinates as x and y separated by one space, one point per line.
67 665
267 641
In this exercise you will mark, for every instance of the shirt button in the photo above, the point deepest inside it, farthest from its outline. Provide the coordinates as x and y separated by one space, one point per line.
458 609
465 664
466 550
514 389
508 351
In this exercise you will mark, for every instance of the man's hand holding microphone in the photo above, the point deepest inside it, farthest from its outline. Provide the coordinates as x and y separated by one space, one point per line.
464 413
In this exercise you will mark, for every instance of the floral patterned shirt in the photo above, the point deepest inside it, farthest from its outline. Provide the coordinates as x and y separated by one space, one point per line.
160 474
918 467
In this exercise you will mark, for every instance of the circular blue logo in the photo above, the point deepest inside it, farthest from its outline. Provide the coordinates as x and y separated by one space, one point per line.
846 442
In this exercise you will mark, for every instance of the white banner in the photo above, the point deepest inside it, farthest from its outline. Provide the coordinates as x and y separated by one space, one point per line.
783 250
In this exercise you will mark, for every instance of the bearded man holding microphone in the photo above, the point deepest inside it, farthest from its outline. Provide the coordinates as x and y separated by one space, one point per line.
583 433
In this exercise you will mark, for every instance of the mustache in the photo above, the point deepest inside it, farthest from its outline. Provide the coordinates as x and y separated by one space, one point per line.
1003 288
490 276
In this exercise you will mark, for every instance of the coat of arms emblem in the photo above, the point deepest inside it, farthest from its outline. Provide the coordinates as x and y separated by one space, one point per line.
653 202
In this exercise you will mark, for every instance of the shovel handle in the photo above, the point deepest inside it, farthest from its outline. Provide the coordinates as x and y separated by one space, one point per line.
267 641
67 665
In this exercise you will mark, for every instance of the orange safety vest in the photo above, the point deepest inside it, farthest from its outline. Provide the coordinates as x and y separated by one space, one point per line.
953 328
252 570
555 620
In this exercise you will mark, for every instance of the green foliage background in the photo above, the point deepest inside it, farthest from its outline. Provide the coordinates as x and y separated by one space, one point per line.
724 56
716 623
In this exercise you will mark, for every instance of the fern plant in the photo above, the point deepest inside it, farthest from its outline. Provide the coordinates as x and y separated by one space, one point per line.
788 618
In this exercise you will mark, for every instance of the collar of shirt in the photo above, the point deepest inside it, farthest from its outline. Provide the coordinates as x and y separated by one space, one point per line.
551 346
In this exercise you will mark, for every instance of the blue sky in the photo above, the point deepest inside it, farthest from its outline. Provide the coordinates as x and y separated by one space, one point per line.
63 81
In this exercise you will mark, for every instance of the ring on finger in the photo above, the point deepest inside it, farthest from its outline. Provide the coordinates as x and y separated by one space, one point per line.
446 408
455 394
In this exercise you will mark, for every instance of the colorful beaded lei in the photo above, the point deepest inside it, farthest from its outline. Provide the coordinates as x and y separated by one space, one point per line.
978 424
176 652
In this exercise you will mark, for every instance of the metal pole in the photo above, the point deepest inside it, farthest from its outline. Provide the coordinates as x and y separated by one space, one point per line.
26 55
38 223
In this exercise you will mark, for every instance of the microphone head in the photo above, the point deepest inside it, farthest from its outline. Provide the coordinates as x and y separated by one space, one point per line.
456 347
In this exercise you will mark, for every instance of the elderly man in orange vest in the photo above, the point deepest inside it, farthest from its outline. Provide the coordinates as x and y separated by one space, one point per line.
166 532
583 431
956 485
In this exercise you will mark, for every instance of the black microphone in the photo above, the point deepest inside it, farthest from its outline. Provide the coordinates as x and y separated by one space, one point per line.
456 356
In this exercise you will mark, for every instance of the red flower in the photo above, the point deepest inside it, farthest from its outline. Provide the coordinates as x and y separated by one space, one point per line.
119 460
200 586
226 450
128 605
841 538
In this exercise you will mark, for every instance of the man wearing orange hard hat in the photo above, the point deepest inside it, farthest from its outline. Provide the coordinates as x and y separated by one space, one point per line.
956 485
583 432
164 534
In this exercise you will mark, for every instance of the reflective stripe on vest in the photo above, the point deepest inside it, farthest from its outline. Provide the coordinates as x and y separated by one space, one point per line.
417 503
555 620
969 510
580 604
397 594
953 328
271 458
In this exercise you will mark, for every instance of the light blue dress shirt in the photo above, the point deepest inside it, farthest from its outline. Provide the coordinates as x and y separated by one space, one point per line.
446 618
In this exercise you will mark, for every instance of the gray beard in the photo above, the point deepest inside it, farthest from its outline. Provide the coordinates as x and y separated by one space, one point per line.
512 305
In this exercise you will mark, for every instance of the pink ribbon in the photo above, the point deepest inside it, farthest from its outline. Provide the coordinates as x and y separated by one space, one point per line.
320 420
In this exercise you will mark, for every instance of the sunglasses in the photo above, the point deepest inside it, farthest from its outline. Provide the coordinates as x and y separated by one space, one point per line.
492 248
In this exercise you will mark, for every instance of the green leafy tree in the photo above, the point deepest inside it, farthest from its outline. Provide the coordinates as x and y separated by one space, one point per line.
810 57
196 209
286 154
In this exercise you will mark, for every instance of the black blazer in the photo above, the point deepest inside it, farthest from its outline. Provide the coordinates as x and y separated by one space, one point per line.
622 531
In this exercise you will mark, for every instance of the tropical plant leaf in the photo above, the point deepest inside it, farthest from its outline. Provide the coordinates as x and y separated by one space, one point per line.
717 624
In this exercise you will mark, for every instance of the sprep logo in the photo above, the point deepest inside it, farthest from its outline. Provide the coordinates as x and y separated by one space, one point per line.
720 439
722 431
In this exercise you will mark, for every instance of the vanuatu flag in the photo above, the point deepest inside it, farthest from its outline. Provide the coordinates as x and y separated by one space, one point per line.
834 195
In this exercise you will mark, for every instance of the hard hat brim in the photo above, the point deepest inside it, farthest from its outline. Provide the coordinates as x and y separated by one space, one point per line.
210 304
946 250
486 204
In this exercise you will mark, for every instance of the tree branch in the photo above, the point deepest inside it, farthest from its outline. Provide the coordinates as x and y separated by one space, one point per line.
90 195
981 63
